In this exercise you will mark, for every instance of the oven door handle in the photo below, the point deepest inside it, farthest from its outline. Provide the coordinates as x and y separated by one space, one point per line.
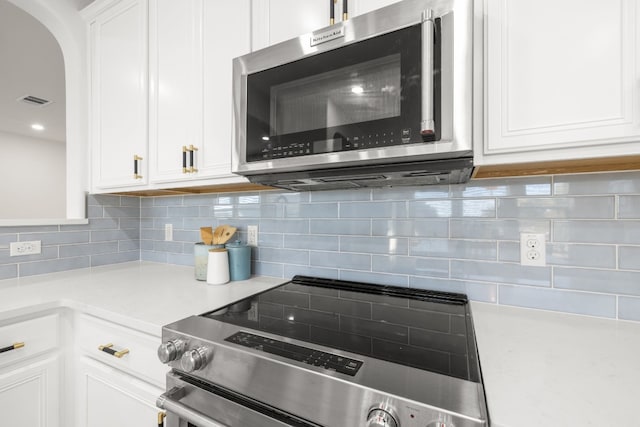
169 401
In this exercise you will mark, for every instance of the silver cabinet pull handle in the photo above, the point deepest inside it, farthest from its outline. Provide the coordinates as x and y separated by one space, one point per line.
12 347
169 402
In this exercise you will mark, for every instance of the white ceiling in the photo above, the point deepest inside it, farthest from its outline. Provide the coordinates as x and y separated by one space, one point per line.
31 63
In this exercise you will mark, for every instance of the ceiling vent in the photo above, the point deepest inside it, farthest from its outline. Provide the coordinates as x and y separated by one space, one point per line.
34 100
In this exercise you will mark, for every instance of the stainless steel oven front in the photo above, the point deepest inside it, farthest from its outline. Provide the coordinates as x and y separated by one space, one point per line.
214 409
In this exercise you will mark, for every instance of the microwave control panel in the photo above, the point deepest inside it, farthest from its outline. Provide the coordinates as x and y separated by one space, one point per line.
273 150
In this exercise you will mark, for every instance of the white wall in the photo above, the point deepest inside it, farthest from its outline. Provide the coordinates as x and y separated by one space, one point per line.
63 19
36 170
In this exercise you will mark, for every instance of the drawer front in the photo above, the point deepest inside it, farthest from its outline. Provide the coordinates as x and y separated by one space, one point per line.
131 351
38 336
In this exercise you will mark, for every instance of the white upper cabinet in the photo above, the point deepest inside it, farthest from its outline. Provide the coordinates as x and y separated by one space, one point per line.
175 76
562 80
161 84
226 35
358 7
118 44
192 44
275 21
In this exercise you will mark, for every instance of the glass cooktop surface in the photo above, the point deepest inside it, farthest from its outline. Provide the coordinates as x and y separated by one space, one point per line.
423 329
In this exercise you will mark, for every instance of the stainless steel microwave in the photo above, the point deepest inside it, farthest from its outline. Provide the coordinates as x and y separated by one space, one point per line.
383 99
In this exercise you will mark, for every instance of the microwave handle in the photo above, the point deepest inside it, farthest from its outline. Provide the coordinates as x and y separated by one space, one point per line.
427 125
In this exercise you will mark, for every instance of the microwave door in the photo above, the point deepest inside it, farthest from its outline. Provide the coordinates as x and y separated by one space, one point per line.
360 96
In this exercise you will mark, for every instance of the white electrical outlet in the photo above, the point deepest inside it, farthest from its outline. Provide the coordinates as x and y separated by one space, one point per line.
252 235
168 232
25 248
533 249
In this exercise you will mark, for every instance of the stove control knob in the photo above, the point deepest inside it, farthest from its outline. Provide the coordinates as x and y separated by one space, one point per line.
170 350
194 359
382 418
438 424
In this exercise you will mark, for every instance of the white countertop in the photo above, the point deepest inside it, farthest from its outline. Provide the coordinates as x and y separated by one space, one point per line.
551 369
539 368
144 296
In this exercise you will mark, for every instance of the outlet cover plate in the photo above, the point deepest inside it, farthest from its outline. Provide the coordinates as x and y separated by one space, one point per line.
33 247
252 235
533 249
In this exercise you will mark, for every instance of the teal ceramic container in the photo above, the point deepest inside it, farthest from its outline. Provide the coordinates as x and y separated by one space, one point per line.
239 260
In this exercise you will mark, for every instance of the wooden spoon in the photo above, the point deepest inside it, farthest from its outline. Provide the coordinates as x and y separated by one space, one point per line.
206 234
227 233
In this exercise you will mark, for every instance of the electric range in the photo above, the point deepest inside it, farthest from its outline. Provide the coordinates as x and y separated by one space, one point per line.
320 352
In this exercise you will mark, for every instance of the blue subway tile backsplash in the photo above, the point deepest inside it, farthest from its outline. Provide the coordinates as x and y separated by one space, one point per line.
458 238
111 236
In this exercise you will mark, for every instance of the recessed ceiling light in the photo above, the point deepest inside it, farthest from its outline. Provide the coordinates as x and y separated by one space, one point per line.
37 126
357 89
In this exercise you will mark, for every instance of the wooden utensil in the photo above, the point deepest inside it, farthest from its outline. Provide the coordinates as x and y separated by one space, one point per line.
206 234
227 232
217 234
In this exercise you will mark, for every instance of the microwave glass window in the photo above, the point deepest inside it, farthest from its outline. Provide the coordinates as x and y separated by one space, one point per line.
359 96
354 94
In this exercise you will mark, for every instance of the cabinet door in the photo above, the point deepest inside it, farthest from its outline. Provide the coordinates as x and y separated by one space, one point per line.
274 21
108 397
562 80
175 60
358 7
226 35
119 95
29 394
192 46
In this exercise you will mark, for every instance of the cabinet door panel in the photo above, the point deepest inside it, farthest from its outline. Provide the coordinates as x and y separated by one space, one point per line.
119 95
176 84
561 80
275 21
363 6
219 51
29 394
110 398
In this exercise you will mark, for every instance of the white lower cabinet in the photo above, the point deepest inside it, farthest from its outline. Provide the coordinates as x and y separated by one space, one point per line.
109 397
30 372
118 386
29 393
54 372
